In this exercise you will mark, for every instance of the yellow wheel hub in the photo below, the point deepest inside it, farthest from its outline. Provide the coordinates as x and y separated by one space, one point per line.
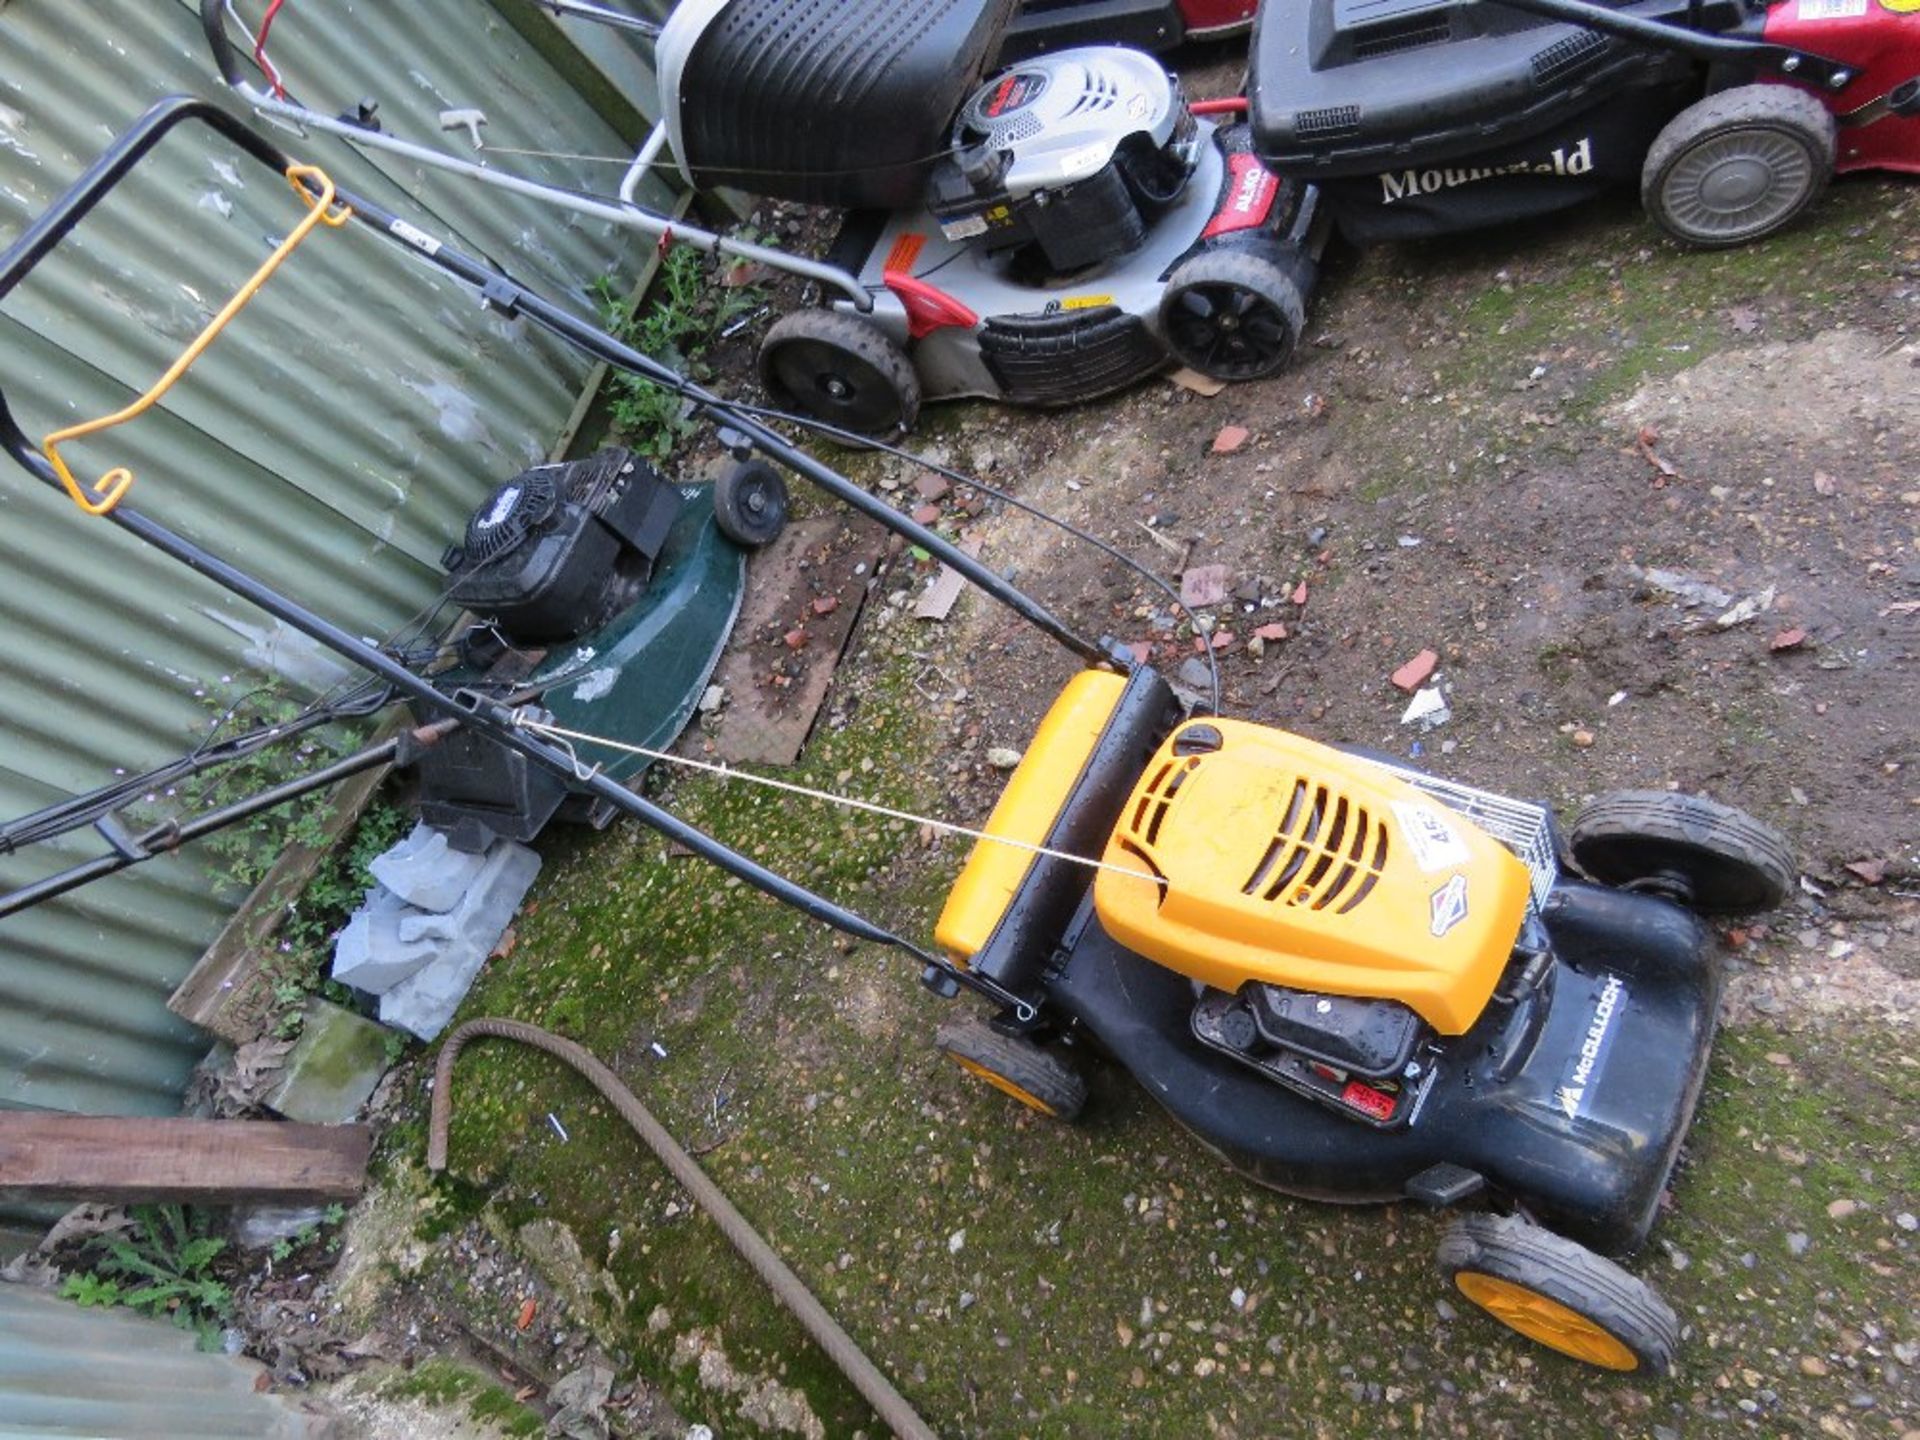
1000 1082
1539 1318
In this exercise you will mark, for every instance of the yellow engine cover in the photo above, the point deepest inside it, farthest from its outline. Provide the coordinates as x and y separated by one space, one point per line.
1291 863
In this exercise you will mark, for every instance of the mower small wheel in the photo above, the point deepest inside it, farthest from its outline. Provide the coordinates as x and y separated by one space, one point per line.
1561 1294
750 504
840 369
1036 1077
1738 165
1232 314
1708 856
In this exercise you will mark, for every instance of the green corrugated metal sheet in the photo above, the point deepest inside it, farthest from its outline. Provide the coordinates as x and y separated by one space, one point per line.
68 1371
334 441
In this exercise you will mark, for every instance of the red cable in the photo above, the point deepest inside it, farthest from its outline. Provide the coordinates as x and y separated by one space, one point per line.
260 49
1233 105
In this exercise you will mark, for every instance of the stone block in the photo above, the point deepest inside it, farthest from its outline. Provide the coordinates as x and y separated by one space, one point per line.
333 1067
426 872
424 1002
376 950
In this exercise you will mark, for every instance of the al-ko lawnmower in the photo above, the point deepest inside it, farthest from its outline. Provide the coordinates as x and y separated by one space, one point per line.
1065 229
1351 980
1419 117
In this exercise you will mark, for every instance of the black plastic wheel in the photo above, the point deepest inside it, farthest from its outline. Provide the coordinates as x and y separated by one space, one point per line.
1036 1077
1232 314
1708 856
1738 165
750 503
840 369
1561 1294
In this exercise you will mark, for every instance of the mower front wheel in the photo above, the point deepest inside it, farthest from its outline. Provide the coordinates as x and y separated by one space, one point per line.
750 504
1738 165
840 369
1031 1074
1232 314
1561 1294
1704 855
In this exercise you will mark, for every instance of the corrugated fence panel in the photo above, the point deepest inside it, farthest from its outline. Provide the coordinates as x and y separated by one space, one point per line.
68 1371
333 441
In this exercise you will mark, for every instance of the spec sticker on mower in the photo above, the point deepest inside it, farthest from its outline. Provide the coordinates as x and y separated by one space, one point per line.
1449 906
1248 200
1831 9
1584 1072
419 239
1435 844
1021 88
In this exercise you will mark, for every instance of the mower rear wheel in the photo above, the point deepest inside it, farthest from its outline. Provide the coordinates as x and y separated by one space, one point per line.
1708 856
1561 1294
840 369
750 503
1738 165
1232 314
1031 1074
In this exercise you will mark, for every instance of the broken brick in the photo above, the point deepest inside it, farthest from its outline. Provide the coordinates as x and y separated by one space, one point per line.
1412 675
1230 439
1204 585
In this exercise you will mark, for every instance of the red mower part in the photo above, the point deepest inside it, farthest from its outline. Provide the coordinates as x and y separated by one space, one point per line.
1882 42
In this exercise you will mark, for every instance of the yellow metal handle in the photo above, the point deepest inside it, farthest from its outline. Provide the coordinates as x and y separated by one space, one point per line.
106 492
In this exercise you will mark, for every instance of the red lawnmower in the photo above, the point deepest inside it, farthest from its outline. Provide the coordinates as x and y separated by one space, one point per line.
1419 118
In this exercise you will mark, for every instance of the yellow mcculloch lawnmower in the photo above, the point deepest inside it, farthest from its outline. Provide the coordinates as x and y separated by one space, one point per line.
1353 981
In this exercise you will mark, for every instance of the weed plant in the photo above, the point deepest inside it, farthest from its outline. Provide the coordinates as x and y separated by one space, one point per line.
164 1267
676 323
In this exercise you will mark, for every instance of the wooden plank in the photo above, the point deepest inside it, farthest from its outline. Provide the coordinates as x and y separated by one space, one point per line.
48 1156
226 992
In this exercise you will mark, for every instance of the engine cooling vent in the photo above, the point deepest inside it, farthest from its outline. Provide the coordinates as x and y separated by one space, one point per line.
1336 122
1327 853
1098 94
1141 826
1413 34
515 511
1564 57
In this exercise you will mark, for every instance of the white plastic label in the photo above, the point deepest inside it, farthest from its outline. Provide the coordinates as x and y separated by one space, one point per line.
1435 844
417 238
1832 9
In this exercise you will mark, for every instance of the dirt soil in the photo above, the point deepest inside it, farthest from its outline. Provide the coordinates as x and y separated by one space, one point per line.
1656 514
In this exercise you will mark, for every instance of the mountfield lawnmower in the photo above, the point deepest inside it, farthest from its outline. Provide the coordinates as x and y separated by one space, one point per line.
1420 117
1353 981
1062 230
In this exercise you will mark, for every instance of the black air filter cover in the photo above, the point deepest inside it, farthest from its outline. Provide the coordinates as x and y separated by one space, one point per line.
832 102
561 549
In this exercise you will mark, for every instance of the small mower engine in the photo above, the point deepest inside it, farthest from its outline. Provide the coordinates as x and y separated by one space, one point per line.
1071 152
561 549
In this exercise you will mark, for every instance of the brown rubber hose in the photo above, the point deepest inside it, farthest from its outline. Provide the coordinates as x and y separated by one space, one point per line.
887 1402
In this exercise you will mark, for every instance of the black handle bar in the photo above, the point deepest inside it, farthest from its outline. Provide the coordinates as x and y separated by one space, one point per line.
93 186
1801 65
213 20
